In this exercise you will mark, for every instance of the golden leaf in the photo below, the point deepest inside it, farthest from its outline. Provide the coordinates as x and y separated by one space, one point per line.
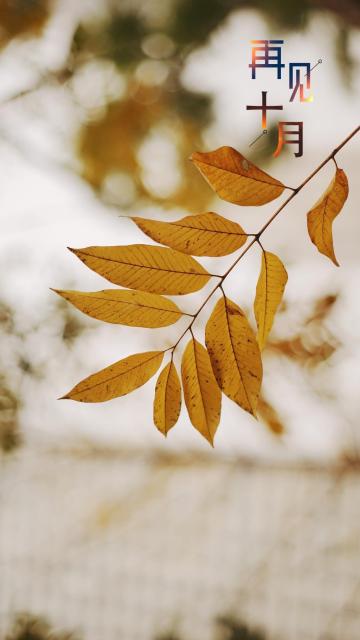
201 392
269 292
207 234
144 267
118 379
167 402
322 215
119 306
234 354
235 179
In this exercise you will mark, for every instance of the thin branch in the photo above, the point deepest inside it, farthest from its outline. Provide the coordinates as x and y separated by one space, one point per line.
257 236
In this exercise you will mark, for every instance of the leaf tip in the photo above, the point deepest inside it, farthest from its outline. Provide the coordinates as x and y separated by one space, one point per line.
194 156
210 439
59 292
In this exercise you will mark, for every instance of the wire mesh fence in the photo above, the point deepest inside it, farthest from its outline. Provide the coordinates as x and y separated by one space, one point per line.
123 545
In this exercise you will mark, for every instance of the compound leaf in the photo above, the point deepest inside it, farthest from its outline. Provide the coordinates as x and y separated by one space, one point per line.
167 401
322 215
206 234
119 306
235 179
144 267
269 292
234 354
201 392
118 379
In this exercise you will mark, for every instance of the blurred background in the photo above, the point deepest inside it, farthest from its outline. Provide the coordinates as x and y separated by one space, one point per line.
107 531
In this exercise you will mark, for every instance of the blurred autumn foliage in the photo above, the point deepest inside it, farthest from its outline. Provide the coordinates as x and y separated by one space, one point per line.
111 144
22 18
10 393
9 403
9 434
29 627
313 342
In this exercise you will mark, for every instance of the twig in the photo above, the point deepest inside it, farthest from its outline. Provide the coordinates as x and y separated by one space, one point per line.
256 236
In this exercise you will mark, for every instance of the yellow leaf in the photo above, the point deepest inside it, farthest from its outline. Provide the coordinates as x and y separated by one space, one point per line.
201 392
119 306
144 267
235 179
167 402
118 379
207 234
322 215
235 354
269 292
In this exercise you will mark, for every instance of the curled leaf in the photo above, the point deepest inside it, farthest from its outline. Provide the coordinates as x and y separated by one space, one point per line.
269 292
207 234
167 401
234 354
118 379
235 179
147 268
201 392
131 308
322 215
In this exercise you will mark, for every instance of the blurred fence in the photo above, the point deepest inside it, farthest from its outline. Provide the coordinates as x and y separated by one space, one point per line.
125 546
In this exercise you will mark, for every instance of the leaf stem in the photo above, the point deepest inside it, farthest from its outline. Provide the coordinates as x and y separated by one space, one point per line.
257 236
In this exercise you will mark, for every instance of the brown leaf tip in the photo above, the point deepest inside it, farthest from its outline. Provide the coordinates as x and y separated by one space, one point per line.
194 156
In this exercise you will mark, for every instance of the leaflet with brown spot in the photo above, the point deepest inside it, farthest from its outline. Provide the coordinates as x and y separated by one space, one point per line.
234 354
207 234
201 392
235 179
